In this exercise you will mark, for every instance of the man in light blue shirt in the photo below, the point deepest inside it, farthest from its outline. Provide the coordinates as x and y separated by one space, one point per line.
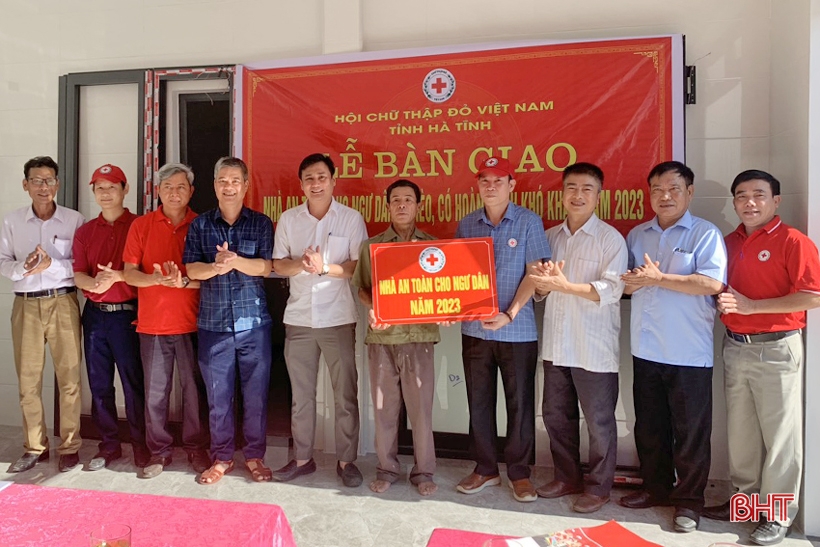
507 342
677 264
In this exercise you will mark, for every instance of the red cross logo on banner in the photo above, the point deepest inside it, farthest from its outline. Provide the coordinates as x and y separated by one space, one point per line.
439 85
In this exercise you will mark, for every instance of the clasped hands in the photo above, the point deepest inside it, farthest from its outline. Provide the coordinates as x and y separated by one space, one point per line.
548 276
36 262
223 262
168 274
312 260
646 274
105 278
732 301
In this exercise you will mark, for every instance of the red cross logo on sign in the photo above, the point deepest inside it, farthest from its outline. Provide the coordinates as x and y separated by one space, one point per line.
432 260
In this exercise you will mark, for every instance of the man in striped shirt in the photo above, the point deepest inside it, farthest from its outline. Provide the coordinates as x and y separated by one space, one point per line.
580 349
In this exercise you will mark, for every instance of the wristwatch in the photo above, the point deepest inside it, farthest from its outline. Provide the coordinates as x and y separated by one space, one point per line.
325 269
185 282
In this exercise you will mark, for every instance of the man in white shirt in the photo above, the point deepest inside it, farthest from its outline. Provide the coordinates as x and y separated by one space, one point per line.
582 319
35 253
317 245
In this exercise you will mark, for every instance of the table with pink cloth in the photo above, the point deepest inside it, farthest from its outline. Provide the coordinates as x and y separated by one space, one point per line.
39 516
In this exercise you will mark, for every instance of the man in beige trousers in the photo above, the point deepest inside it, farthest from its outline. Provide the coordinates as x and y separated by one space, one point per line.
774 277
35 253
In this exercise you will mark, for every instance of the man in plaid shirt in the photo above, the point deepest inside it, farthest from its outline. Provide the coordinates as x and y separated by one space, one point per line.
509 341
229 251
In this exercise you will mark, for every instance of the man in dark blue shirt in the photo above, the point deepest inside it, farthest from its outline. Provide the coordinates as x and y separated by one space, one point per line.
229 251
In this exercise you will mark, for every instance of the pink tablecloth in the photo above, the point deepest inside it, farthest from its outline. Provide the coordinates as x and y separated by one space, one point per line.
40 516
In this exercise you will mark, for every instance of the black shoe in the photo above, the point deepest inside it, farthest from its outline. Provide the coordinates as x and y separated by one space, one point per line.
351 476
27 461
643 500
769 533
68 462
141 455
199 460
104 459
686 520
156 465
291 471
717 512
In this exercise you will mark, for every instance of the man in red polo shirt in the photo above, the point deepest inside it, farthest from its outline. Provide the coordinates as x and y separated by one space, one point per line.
774 277
169 303
108 333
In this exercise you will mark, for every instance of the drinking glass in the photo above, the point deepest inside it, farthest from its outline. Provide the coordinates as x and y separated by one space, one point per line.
111 535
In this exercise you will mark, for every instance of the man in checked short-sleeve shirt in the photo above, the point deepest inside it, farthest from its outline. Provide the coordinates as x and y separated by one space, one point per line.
509 341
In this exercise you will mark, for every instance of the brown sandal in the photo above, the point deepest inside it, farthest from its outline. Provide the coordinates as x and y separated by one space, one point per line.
259 471
213 473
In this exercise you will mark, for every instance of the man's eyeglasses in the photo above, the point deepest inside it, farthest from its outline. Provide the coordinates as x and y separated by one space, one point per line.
42 182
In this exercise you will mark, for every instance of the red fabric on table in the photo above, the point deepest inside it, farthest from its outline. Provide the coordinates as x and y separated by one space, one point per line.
610 534
447 537
39 515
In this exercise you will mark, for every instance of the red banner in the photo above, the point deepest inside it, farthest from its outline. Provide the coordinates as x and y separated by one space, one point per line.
433 119
428 281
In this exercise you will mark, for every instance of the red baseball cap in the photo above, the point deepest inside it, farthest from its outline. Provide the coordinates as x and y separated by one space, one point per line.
109 172
497 166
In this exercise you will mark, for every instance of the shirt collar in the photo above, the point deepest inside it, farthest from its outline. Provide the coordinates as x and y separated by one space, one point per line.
160 215
591 226
335 206
769 227
58 213
509 214
243 213
124 217
685 222
390 234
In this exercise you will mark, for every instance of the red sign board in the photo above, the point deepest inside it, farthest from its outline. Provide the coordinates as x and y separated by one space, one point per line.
429 281
434 118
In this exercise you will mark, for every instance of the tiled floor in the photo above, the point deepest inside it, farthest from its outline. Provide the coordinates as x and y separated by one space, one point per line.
323 513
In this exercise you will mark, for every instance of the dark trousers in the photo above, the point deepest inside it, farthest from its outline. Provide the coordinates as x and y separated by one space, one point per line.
159 352
224 357
483 359
673 427
110 340
564 388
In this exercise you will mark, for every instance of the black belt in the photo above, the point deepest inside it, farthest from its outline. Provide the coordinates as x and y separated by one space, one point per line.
759 338
48 293
104 306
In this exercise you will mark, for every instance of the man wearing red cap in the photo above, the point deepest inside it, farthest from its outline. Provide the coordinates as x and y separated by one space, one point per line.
111 309
507 342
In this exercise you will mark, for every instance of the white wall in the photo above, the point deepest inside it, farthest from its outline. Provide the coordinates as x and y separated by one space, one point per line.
811 483
752 89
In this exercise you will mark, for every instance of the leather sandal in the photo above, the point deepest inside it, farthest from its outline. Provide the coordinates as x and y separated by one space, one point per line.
259 471
213 473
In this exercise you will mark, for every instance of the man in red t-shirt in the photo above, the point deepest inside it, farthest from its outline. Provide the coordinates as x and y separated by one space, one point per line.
166 324
108 331
774 277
